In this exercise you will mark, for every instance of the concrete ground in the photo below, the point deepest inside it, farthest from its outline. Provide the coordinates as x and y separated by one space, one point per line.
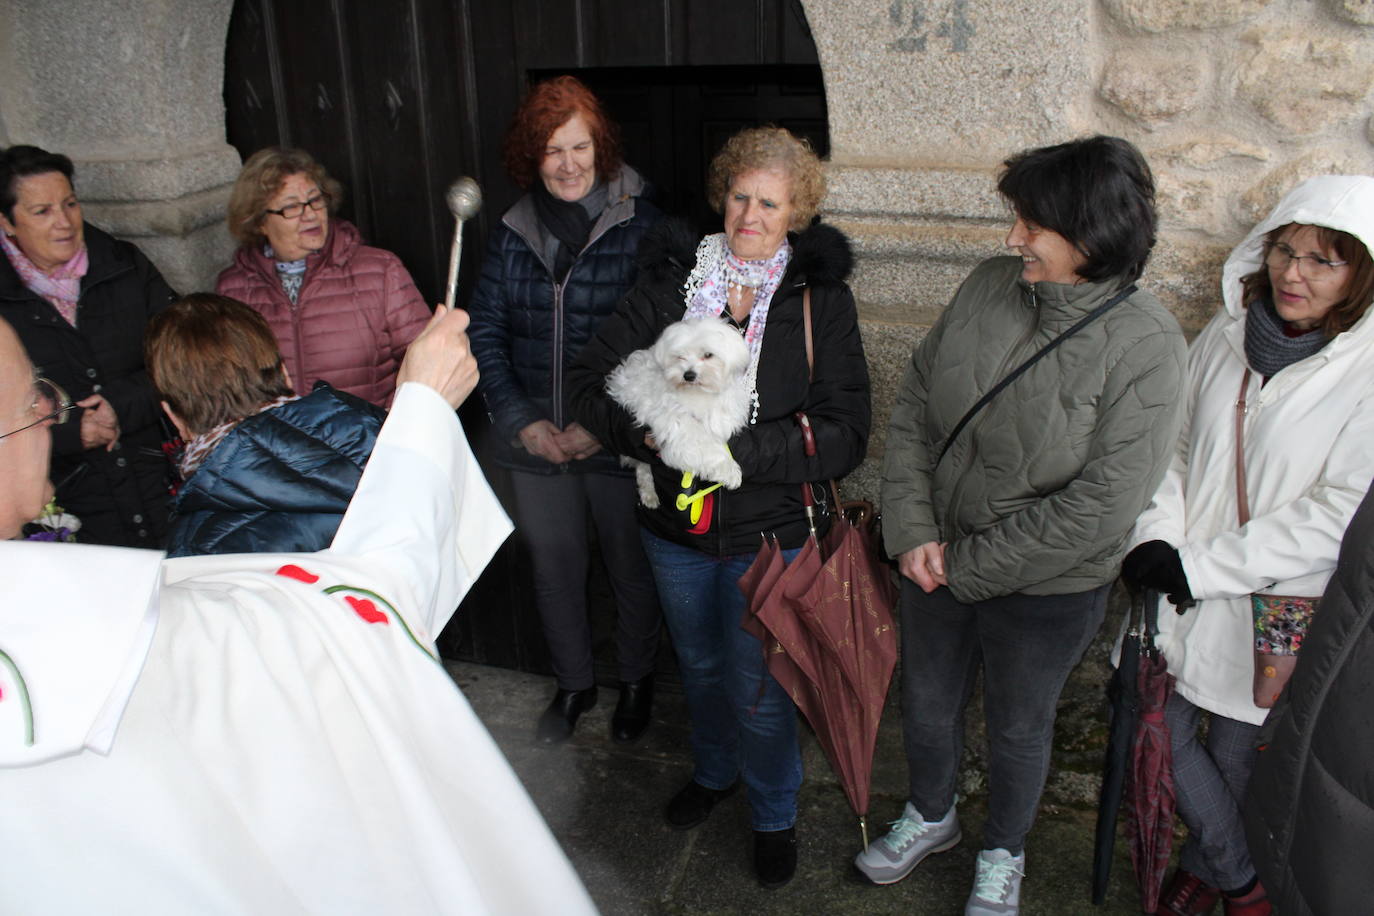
604 803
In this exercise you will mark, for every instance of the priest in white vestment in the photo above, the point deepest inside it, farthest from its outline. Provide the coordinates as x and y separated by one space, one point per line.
258 733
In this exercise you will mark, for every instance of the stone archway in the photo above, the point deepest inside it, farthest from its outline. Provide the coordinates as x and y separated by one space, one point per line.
133 92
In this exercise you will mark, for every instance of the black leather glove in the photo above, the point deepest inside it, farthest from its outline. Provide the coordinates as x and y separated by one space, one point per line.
1156 565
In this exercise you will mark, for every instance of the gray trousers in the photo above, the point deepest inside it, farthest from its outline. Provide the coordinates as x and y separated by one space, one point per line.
551 512
1026 646
1209 786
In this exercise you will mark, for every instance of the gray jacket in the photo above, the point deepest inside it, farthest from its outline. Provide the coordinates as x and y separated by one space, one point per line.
1040 491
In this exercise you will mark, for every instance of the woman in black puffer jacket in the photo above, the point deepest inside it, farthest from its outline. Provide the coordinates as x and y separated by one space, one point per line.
1309 809
79 300
557 265
754 276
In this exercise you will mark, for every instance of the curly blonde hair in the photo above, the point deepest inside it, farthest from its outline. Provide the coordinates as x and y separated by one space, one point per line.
259 181
770 148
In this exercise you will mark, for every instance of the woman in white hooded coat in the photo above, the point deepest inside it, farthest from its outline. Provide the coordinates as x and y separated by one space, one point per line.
1296 293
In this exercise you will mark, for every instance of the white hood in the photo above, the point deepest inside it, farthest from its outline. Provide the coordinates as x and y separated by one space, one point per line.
1344 202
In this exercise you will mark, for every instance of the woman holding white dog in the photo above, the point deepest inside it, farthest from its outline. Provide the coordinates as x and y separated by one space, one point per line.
557 265
755 277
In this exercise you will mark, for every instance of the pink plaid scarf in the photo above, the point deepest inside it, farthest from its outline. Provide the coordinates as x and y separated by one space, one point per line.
62 287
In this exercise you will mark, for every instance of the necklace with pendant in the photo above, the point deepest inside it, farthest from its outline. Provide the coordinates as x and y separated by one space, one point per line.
737 293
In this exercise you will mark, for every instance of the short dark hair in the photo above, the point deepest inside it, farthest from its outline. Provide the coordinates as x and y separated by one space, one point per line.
213 359
22 161
1097 193
547 107
1359 289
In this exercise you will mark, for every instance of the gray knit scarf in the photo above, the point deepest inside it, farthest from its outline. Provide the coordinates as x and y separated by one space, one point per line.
1267 348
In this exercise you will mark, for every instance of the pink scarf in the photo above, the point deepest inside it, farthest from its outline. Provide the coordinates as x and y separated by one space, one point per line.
62 287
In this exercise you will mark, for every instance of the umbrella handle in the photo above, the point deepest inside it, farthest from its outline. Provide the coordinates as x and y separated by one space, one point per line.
808 446
808 434
809 507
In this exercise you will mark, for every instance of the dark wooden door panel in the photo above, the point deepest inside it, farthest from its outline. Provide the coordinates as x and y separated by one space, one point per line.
252 81
393 139
626 34
316 102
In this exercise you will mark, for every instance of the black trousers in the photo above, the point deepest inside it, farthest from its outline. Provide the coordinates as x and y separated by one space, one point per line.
551 513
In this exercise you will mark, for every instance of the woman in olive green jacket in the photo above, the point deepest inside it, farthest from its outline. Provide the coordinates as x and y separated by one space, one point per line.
1009 533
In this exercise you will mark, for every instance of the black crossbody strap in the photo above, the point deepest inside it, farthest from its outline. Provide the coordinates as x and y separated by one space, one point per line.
1016 373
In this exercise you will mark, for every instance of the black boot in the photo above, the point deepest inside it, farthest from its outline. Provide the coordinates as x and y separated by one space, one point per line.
693 804
557 722
632 712
775 856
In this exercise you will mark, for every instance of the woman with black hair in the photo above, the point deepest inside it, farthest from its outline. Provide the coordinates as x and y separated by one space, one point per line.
1009 516
79 300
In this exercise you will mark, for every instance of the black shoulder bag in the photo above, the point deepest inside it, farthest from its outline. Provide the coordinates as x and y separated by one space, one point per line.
1039 355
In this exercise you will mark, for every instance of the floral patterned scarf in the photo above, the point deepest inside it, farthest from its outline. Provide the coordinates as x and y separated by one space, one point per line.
200 447
290 273
707 293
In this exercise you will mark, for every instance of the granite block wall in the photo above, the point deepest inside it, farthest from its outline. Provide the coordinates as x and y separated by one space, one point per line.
1232 101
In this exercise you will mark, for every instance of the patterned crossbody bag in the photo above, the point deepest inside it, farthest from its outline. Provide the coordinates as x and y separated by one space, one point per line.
1281 621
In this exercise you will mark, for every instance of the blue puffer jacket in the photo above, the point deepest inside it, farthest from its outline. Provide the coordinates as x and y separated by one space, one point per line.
280 481
527 330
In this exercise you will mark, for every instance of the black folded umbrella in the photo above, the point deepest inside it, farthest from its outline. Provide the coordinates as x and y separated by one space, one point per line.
1123 704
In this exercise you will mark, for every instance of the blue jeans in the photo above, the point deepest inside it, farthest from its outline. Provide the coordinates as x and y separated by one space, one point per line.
743 722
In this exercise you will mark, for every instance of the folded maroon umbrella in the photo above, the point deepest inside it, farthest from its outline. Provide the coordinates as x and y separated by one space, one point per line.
831 644
1150 780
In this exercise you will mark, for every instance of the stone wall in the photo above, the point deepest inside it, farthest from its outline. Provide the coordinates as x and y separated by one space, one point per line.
1232 102
132 91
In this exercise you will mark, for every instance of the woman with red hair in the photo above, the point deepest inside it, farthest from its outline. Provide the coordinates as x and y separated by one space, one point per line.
557 266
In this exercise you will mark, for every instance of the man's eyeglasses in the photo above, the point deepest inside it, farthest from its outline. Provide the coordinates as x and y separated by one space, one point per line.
292 211
50 402
1278 256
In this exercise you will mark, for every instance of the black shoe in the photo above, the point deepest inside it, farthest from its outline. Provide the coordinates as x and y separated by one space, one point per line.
632 712
557 722
775 856
693 804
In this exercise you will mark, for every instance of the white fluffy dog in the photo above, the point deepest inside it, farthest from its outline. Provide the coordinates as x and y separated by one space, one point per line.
689 389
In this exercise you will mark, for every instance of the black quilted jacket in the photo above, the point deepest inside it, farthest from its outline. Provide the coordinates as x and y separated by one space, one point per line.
526 329
770 452
1309 812
119 495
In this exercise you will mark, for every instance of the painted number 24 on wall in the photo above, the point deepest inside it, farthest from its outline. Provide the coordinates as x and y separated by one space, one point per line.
913 19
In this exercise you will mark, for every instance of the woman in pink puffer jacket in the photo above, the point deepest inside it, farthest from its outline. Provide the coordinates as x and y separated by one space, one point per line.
343 312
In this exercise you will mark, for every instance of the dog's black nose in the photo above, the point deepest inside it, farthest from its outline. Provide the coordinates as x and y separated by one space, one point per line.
690 375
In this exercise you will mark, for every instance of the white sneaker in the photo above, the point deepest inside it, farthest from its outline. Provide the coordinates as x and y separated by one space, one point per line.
996 884
911 839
